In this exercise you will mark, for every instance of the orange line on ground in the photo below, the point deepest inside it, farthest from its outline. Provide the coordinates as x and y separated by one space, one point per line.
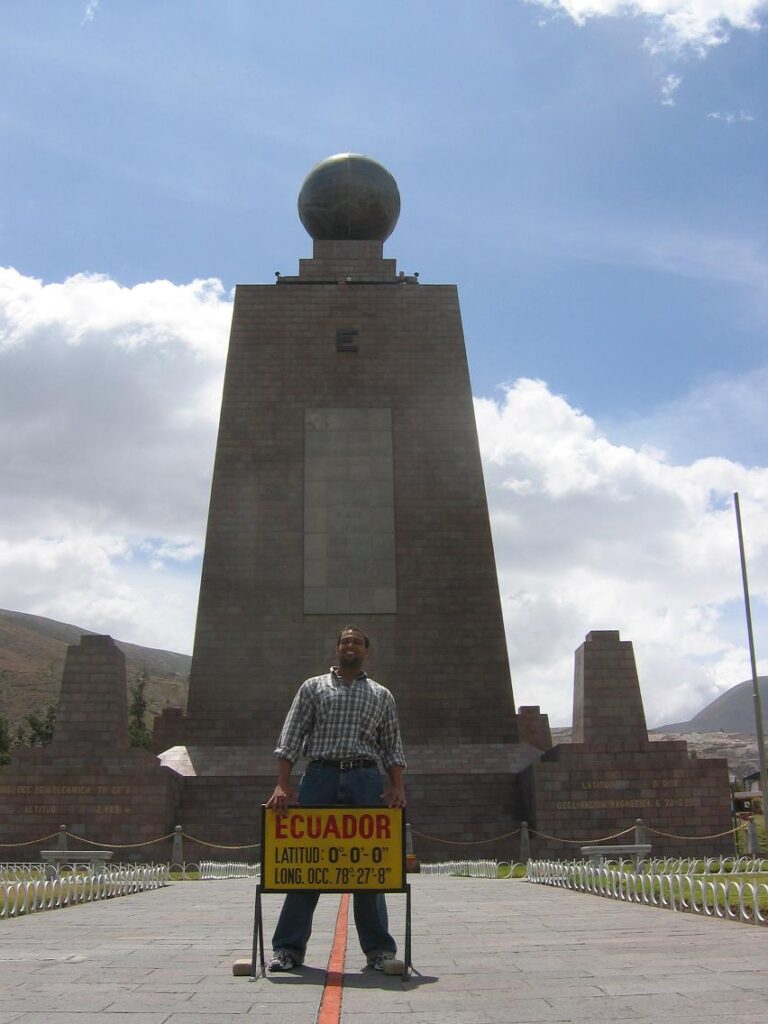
330 1004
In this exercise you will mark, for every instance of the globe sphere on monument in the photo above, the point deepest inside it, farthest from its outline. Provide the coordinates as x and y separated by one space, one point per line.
349 197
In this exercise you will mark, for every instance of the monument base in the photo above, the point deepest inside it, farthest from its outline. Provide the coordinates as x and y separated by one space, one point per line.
465 800
585 795
118 800
612 774
458 800
89 778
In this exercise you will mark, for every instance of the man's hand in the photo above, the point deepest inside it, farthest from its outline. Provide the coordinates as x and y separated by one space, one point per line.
283 794
394 793
281 797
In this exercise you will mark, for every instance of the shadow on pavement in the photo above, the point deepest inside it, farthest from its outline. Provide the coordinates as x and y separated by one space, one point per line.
375 979
301 976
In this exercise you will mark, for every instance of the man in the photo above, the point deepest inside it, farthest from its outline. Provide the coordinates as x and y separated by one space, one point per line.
345 723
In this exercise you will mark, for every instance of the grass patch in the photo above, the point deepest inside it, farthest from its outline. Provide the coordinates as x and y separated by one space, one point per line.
714 890
58 887
504 870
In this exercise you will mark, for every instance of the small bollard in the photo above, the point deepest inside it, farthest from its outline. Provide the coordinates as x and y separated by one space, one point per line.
753 842
177 849
411 860
640 835
525 843
52 870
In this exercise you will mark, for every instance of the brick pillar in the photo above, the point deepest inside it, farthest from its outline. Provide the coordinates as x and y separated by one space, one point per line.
93 706
607 704
534 727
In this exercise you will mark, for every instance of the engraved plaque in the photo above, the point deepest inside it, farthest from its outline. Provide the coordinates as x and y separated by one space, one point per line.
349 515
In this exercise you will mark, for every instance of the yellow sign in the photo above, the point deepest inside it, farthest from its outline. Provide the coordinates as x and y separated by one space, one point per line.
333 849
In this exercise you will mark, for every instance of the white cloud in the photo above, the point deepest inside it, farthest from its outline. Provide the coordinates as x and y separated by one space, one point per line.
88 307
109 400
594 535
669 87
679 25
730 117
727 410
90 11
677 249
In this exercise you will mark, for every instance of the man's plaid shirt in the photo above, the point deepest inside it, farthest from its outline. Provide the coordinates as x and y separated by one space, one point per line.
331 719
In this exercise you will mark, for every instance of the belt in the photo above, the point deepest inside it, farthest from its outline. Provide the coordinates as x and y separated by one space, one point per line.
346 764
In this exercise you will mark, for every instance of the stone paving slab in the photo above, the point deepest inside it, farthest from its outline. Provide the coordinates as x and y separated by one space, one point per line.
485 952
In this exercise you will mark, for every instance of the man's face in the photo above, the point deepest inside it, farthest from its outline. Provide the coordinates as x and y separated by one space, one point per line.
351 651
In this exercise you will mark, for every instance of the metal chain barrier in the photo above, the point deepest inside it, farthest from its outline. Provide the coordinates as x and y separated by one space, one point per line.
221 846
117 846
582 842
463 842
422 835
32 842
534 832
125 846
716 835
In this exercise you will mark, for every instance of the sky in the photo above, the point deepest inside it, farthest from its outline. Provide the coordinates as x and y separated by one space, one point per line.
591 174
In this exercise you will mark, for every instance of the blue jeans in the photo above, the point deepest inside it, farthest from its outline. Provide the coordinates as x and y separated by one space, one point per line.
358 787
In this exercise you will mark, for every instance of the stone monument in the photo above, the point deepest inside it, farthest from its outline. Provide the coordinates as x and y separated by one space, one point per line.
348 487
88 777
611 773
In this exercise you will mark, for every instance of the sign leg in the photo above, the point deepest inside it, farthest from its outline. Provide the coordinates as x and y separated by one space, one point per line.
408 964
257 950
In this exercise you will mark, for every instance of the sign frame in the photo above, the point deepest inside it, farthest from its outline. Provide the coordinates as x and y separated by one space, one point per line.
352 862
363 860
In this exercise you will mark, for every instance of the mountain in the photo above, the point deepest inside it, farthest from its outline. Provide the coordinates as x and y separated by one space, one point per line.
732 711
32 652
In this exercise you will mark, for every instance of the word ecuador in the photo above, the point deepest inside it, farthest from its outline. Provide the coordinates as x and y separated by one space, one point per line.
337 849
305 824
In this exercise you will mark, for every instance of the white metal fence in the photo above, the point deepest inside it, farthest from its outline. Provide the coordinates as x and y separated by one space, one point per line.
30 894
24 871
468 868
217 869
708 886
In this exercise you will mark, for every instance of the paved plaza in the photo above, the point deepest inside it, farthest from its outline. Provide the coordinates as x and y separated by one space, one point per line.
484 951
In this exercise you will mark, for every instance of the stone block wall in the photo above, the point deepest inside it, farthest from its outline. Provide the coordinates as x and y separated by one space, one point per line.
533 727
89 778
583 795
597 786
118 801
92 706
255 641
607 703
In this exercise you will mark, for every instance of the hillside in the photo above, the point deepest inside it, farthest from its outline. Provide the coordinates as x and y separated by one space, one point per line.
32 652
732 711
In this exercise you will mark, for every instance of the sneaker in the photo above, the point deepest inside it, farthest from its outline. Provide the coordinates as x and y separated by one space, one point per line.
383 956
282 960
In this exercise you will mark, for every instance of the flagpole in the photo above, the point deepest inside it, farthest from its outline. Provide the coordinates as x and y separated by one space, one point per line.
753 662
